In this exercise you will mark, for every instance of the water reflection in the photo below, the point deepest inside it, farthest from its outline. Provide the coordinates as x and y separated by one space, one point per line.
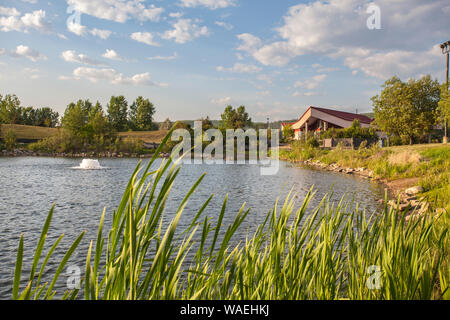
29 187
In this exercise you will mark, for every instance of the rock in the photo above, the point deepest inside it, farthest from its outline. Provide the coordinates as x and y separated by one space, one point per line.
414 190
399 207
415 203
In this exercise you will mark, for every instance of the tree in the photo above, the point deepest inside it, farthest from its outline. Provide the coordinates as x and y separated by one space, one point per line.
10 139
207 124
288 132
235 118
118 113
443 111
141 114
75 118
97 120
45 117
166 125
407 108
10 110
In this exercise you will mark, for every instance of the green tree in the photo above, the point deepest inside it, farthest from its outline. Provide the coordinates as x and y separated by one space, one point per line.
118 113
288 132
45 117
166 125
141 114
10 139
10 110
75 118
407 108
443 111
98 121
207 124
235 118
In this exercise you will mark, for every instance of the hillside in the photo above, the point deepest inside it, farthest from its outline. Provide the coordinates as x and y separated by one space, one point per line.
145 136
30 133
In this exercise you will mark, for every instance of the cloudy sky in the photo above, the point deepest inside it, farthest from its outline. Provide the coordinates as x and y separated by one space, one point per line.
191 58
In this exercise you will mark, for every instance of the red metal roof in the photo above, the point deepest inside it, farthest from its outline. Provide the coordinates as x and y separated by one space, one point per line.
346 115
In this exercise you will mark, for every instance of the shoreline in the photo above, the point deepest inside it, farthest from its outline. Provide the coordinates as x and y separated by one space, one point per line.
403 194
100 155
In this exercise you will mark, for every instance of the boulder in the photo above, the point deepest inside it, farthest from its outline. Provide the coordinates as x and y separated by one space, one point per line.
414 190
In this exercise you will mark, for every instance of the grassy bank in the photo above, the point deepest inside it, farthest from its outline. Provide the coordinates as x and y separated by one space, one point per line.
328 252
145 136
400 166
28 132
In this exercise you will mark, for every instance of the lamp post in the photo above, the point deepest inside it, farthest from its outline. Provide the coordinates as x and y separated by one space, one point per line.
446 50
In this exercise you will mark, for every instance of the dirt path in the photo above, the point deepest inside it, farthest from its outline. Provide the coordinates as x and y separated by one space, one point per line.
399 185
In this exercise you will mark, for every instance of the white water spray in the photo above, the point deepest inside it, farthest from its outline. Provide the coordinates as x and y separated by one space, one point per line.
90 164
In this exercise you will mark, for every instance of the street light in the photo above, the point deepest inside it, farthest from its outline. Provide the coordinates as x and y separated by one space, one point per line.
446 50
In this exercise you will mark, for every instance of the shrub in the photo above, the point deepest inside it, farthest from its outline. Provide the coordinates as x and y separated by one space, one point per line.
10 139
63 141
131 145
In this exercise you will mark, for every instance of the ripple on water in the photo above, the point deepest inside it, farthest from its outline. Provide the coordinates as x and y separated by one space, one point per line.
29 187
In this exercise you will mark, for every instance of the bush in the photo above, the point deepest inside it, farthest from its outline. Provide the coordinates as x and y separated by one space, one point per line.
355 131
131 145
10 139
64 141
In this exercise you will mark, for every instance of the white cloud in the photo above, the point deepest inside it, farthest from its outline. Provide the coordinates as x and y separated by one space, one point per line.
323 69
26 52
337 29
72 56
221 101
266 78
112 76
250 43
405 64
9 12
112 55
241 68
176 14
32 73
102 34
144 37
224 25
117 10
211 4
305 94
185 30
62 36
77 29
166 58
35 20
312 83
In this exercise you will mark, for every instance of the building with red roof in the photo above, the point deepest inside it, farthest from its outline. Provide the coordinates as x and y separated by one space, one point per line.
320 119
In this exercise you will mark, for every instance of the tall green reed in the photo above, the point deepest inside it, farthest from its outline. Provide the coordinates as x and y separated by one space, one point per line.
322 253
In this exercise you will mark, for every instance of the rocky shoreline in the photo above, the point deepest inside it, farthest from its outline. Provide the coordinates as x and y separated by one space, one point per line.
107 154
406 201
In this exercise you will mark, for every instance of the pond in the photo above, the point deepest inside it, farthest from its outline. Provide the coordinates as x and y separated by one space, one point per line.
30 185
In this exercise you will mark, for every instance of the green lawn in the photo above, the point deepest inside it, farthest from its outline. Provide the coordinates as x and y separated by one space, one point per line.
28 132
145 136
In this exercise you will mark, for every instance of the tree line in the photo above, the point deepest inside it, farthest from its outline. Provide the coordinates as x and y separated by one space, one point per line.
11 112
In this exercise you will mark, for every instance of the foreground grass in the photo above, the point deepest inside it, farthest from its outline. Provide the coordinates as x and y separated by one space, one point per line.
318 253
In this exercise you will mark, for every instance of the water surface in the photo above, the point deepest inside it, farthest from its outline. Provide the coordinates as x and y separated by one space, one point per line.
30 185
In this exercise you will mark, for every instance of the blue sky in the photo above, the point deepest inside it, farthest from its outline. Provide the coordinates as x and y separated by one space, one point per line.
191 58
